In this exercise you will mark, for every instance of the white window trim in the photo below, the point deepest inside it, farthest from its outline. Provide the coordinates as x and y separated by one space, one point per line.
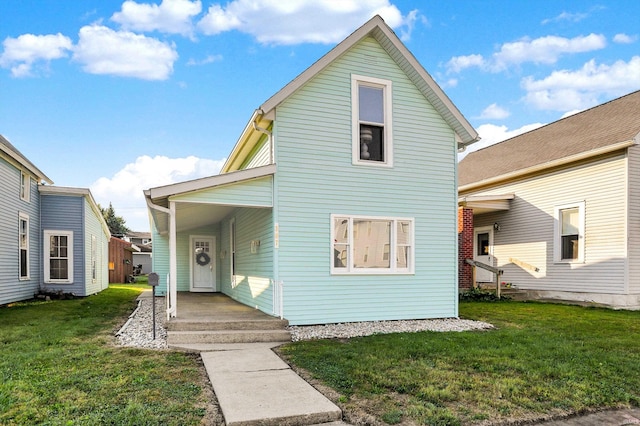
94 259
47 250
557 230
355 120
393 269
233 248
25 217
25 186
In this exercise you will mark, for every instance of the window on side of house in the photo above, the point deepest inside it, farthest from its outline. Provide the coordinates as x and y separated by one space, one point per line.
94 256
386 247
371 108
23 244
569 233
25 186
58 257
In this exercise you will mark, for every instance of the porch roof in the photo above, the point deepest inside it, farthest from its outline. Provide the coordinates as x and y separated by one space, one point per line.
486 203
208 200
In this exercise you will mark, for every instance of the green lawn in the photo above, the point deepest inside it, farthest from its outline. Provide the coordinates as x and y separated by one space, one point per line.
543 359
58 366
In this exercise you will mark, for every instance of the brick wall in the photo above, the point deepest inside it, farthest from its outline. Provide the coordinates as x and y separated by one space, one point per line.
465 248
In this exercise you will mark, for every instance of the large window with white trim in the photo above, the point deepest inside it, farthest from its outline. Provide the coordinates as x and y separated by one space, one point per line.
23 244
58 257
569 233
371 109
372 245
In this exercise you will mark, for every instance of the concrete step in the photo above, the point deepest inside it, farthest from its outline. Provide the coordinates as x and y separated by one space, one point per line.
177 324
228 336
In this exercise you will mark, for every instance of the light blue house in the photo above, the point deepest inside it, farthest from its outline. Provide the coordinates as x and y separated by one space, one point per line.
338 203
54 239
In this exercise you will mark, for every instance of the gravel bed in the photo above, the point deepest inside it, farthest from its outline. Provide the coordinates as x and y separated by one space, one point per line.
359 329
138 330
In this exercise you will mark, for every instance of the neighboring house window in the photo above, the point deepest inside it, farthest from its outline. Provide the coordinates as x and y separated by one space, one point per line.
94 255
58 256
569 233
23 243
371 109
387 246
25 186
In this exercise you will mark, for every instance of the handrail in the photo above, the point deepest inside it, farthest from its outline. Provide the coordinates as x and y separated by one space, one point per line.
489 268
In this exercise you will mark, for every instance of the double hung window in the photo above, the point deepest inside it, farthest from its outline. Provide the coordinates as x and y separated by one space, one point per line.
569 233
25 186
371 245
58 253
23 244
371 99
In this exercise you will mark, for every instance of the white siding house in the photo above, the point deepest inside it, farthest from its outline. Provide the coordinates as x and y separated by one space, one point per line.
337 202
570 225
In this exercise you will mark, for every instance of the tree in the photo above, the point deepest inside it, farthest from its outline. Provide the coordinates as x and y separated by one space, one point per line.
116 224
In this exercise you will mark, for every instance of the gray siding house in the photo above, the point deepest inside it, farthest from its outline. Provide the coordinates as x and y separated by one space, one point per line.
558 208
338 202
54 238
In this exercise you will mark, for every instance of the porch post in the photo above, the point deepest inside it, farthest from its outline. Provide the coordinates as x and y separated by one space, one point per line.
173 262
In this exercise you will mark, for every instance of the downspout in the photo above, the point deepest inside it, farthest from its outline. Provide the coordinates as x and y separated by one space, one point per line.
260 113
172 308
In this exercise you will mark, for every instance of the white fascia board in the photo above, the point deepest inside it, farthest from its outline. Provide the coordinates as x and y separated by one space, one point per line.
209 182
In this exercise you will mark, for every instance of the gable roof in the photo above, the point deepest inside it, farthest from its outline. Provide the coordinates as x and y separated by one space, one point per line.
378 29
604 128
20 161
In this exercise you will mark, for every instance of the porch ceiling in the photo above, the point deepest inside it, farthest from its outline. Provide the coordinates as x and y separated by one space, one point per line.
191 215
486 203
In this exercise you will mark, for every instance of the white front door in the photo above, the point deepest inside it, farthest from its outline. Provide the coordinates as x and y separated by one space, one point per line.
483 252
203 264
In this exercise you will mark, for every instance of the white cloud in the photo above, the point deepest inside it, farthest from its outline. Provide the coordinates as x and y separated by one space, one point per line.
208 60
624 38
566 90
102 50
494 112
124 189
290 22
171 16
566 16
459 63
22 53
492 134
544 50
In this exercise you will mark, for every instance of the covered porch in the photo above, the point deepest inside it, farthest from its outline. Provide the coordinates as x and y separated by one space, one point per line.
213 235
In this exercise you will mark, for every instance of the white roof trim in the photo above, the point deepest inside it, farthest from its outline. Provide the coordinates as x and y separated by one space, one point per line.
208 182
12 153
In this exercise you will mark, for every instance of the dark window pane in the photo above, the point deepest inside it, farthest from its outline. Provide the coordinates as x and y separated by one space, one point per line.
569 246
371 143
23 263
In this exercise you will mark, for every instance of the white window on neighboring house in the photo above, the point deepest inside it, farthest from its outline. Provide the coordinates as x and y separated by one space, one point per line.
371 116
23 244
25 187
387 249
569 233
58 257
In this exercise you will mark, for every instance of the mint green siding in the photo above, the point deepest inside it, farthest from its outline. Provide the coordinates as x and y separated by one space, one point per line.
316 178
255 192
254 271
160 259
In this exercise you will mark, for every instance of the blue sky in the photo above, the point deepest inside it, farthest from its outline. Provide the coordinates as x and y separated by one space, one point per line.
120 96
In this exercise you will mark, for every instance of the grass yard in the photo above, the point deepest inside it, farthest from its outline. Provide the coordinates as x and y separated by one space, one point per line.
542 360
58 366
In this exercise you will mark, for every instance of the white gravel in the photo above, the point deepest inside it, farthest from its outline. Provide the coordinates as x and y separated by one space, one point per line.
138 330
359 329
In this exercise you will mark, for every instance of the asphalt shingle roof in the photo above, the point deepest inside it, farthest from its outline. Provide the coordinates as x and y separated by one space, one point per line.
601 126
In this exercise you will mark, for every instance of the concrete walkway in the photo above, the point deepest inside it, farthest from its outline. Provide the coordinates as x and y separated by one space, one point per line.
255 387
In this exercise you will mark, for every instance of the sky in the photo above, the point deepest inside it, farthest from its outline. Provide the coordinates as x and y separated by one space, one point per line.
121 96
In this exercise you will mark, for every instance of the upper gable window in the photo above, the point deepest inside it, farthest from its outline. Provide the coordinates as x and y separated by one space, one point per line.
24 186
372 141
